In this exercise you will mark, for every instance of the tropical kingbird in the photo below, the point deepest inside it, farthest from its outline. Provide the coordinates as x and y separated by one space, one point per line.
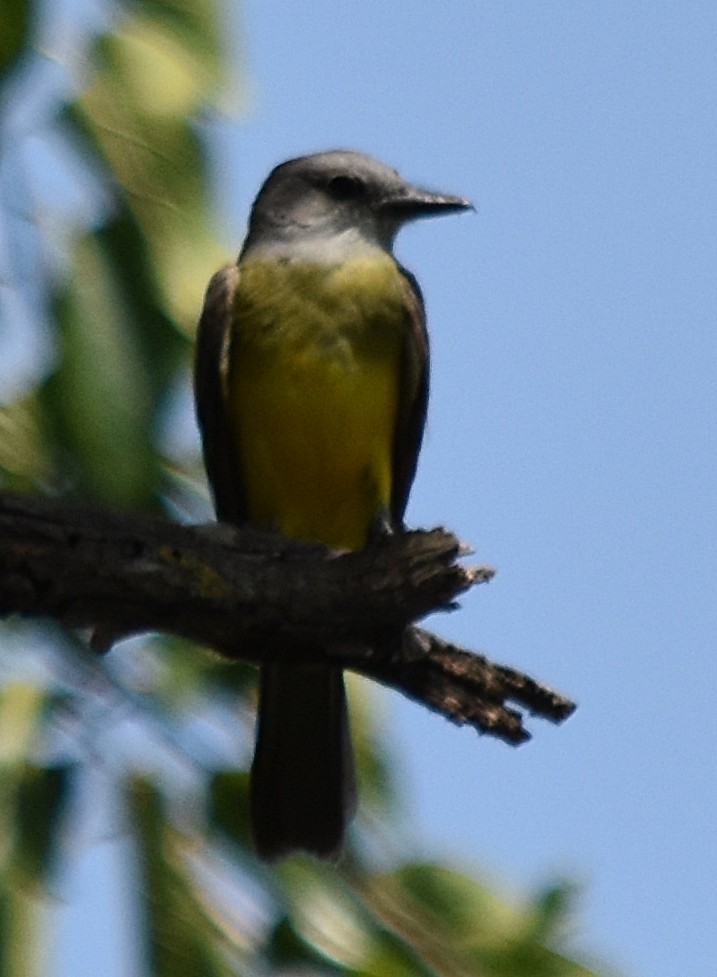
311 386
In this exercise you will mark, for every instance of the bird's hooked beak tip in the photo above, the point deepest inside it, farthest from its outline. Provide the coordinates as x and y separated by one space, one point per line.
460 203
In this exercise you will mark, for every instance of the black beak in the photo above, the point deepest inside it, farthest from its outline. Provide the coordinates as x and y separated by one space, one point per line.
413 202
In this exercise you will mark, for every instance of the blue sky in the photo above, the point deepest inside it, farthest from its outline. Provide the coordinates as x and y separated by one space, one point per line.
571 435
572 425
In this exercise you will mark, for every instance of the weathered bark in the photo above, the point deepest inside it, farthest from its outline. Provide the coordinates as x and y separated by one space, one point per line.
261 596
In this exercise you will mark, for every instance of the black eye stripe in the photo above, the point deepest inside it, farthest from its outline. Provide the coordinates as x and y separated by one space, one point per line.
346 187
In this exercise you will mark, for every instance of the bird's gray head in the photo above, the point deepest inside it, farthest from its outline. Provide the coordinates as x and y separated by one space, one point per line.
338 202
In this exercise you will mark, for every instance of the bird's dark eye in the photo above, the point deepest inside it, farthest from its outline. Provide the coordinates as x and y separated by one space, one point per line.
346 187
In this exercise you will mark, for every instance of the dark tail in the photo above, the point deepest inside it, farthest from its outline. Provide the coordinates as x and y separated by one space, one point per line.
302 783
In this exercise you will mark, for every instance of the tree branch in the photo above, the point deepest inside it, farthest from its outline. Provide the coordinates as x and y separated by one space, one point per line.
261 596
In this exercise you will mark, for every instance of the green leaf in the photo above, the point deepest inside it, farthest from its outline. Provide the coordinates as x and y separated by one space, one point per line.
21 918
135 115
191 34
18 18
25 461
461 928
182 938
331 920
99 399
22 709
552 907
460 903
4 928
229 805
394 957
41 802
164 939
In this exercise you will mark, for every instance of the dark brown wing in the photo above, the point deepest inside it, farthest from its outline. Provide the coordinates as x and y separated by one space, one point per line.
413 399
220 456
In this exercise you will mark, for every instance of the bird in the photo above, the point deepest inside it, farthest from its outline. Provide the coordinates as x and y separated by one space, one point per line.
311 387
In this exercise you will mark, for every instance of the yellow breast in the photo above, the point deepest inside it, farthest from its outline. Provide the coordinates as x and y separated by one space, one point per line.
312 390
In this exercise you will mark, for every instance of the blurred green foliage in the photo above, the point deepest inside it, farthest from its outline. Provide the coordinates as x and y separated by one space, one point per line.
109 288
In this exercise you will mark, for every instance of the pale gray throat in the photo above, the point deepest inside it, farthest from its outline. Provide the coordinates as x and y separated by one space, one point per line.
321 244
